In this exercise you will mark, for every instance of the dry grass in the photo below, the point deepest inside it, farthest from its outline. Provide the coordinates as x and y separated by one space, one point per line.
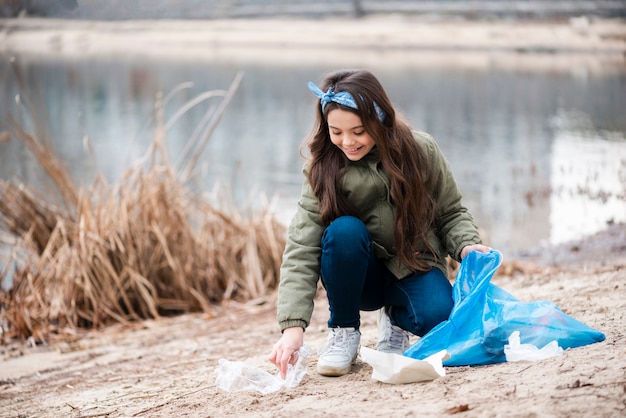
143 247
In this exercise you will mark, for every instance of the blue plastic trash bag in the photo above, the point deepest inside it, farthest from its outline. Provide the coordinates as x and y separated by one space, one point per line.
484 316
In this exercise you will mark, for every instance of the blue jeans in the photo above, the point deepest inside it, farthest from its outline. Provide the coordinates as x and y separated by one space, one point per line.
356 280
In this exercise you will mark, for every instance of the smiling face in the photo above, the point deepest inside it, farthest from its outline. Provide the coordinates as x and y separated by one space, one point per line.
347 132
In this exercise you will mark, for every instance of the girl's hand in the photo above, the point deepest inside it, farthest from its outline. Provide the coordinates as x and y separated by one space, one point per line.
285 349
475 247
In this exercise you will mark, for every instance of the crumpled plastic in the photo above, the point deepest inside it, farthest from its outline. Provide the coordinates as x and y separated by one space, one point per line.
237 376
396 369
514 351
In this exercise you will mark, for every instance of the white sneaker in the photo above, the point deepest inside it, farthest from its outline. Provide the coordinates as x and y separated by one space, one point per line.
391 338
339 352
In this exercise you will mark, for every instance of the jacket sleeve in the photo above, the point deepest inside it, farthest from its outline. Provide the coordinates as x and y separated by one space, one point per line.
454 224
300 269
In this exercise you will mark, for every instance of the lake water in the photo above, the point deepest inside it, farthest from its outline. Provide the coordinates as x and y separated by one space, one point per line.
539 152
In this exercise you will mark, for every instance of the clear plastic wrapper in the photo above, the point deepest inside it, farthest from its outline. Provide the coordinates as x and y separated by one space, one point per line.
237 376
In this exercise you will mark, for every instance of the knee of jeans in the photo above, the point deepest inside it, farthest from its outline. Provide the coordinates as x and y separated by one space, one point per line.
345 230
421 324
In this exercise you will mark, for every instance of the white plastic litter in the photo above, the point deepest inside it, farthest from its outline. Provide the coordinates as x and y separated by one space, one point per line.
397 369
237 376
515 351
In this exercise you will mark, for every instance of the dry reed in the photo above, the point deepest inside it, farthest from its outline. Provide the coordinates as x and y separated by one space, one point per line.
143 247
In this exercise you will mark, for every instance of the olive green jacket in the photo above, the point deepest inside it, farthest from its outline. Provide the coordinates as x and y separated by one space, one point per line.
367 187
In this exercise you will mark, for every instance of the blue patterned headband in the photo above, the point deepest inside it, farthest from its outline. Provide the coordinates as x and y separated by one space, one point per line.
342 98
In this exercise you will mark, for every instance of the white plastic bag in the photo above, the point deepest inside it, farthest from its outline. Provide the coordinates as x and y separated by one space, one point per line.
515 351
237 376
397 369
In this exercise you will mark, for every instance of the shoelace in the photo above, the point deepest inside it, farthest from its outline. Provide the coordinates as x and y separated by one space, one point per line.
338 342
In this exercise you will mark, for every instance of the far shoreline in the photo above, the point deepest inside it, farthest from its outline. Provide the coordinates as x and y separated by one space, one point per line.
598 44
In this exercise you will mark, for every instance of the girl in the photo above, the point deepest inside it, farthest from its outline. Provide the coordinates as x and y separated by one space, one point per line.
378 214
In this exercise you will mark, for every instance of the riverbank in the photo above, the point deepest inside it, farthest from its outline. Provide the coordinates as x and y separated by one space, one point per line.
166 367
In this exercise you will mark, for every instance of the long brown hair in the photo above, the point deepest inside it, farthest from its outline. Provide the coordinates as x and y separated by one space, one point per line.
402 159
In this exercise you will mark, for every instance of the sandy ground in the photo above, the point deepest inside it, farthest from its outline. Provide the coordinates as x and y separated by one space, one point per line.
166 367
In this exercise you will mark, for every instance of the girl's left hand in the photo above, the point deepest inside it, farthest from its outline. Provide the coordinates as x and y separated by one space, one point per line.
475 247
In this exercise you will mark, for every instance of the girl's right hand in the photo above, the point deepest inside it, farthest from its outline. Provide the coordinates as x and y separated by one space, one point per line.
284 350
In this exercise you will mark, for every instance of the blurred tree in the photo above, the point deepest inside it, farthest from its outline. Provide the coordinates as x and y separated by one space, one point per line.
68 4
358 8
213 9
14 8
